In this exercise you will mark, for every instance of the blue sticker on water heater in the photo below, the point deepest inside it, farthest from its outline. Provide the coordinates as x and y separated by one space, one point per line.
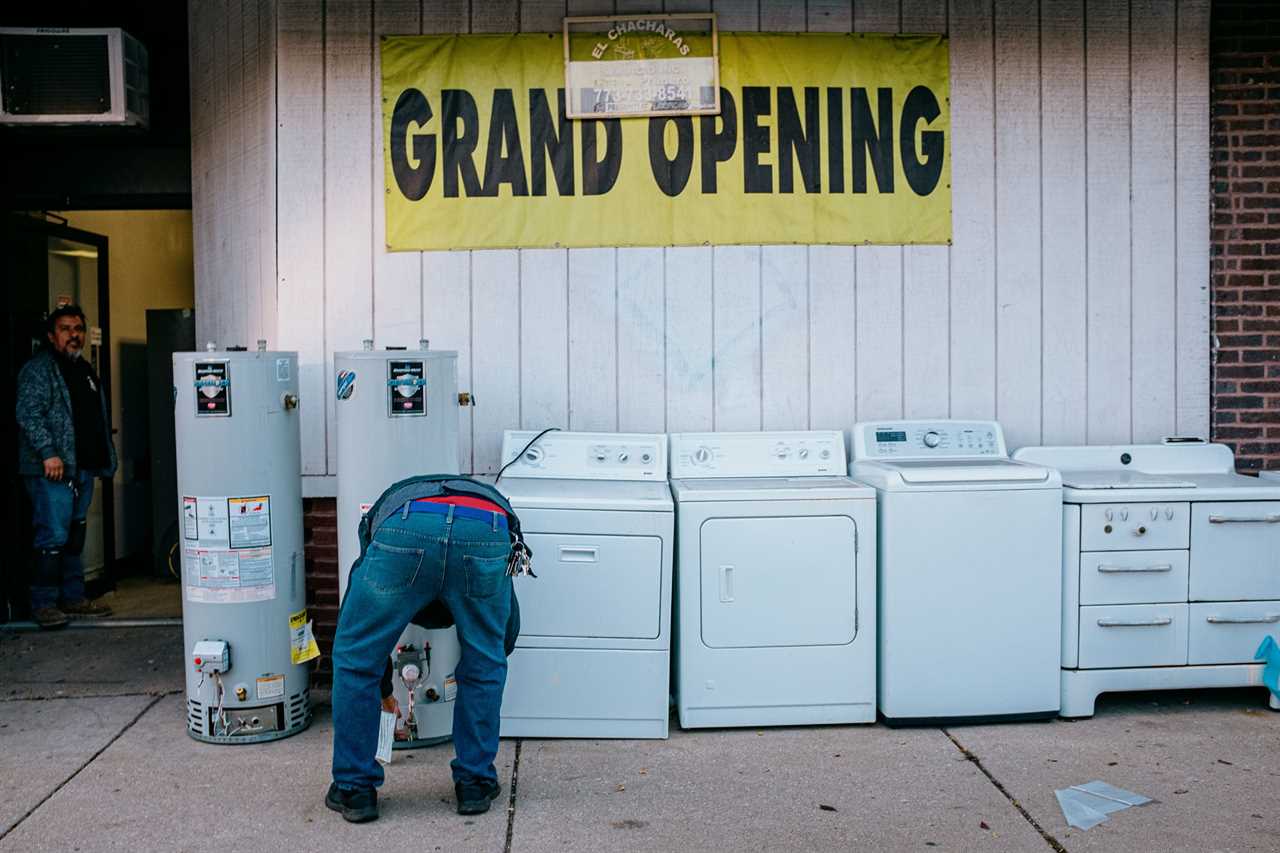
346 384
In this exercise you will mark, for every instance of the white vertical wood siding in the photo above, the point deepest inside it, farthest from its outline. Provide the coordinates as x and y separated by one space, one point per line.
1072 305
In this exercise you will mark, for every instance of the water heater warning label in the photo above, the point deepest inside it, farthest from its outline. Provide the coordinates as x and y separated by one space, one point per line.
226 555
213 389
228 577
270 686
406 388
250 525
204 520
190 519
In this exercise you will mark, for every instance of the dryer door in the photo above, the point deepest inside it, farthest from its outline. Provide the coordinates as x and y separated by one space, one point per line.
778 581
592 585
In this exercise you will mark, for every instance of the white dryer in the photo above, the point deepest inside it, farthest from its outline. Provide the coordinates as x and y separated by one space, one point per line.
593 657
775 581
970 564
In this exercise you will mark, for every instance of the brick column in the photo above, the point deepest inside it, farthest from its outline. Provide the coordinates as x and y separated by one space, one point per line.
1244 62
320 532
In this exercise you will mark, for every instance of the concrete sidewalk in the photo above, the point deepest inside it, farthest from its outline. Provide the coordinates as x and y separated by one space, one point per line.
94 756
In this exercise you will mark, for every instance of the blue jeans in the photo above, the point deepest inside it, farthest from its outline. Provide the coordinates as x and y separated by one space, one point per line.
55 508
412 560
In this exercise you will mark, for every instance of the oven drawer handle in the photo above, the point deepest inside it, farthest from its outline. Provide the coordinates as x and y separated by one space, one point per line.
1269 619
1158 567
1135 623
1247 519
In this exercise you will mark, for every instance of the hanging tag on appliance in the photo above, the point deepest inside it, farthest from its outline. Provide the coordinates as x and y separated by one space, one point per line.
386 735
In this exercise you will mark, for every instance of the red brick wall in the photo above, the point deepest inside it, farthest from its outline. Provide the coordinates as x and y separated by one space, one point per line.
320 540
1244 61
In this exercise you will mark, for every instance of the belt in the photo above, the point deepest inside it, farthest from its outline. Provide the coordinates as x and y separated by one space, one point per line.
497 519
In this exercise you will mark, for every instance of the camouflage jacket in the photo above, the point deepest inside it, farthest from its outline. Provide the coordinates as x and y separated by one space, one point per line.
43 412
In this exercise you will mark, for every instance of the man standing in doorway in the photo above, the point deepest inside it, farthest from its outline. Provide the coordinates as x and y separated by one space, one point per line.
65 443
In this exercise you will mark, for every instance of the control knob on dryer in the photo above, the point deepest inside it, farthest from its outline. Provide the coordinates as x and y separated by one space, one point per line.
702 455
932 439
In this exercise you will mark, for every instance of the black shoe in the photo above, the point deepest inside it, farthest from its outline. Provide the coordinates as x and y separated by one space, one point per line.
474 797
49 618
356 806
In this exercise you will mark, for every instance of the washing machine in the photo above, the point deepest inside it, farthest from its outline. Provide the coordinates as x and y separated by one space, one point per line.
969 572
775 581
594 655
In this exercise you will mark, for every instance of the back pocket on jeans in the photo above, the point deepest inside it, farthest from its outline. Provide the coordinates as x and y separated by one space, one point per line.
389 568
484 574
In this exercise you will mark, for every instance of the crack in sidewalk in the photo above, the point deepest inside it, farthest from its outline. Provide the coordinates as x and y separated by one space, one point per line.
511 799
160 694
1026 815
88 761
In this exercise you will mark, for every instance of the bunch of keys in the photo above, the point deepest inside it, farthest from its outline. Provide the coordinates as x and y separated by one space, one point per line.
520 562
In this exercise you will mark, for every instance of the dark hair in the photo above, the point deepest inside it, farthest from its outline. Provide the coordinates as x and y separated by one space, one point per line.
51 322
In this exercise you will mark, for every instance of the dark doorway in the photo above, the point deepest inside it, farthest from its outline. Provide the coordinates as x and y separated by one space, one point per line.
48 263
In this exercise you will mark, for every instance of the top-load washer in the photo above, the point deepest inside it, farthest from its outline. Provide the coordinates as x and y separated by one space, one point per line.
593 657
1171 568
775 581
970 558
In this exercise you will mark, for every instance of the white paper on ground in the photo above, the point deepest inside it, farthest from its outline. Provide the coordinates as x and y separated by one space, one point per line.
1085 806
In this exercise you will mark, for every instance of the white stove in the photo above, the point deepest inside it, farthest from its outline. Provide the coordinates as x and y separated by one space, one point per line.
593 657
1171 568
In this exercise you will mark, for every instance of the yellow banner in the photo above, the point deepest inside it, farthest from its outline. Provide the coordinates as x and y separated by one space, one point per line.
840 139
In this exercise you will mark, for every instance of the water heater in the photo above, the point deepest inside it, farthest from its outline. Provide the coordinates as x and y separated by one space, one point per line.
239 498
397 416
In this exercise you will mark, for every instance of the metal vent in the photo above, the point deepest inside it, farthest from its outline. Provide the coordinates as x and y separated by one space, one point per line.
55 75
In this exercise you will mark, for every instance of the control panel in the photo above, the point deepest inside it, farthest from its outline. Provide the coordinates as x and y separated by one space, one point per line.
757 454
941 439
209 656
585 455
1135 526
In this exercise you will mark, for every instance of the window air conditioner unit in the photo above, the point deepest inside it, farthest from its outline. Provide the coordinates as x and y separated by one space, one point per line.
57 76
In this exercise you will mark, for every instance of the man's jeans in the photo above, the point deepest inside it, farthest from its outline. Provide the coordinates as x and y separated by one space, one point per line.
413 559
55 508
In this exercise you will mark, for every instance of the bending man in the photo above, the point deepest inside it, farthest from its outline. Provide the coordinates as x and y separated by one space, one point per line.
429 540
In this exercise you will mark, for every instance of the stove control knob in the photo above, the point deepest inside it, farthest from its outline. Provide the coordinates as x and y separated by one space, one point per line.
932 439
1109 515
702 455
1124 515
1155 515
1168 513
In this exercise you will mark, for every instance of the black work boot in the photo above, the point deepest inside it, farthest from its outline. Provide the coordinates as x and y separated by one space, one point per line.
46 576
474 797
357 806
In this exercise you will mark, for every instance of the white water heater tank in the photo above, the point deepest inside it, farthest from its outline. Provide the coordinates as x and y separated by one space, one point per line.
245 629
397 416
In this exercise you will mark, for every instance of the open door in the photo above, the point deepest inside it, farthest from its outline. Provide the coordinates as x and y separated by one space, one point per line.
47 264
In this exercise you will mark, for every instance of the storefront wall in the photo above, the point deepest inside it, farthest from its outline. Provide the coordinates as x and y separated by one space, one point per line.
1073 304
